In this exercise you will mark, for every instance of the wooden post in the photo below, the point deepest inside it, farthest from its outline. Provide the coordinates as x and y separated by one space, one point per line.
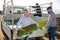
1 34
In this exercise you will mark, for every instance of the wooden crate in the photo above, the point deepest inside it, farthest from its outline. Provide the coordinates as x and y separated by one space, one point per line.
58 23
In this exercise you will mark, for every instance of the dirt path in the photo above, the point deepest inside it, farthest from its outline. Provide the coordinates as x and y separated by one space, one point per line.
45 38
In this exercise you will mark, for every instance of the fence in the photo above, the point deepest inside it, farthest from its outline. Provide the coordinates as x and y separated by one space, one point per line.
19 9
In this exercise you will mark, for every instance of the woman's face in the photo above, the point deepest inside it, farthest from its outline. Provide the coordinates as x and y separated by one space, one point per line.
25 13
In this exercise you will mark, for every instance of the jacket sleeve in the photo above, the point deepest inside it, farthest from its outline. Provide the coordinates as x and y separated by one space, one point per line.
49 21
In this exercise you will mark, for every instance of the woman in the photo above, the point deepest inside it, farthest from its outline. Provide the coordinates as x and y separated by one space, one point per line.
25 20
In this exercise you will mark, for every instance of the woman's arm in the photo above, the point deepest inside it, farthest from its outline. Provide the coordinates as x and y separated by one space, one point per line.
33 21
18 24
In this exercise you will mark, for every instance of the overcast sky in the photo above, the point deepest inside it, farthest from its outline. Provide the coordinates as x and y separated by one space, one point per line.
56 3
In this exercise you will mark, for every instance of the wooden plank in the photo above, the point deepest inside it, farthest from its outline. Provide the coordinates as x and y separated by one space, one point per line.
1 34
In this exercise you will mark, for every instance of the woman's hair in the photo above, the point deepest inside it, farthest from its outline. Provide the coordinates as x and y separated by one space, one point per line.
25 10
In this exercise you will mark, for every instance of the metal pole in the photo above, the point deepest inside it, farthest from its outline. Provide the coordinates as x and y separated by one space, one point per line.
51 4
12 20
12 15
4 6
4 2
8 2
